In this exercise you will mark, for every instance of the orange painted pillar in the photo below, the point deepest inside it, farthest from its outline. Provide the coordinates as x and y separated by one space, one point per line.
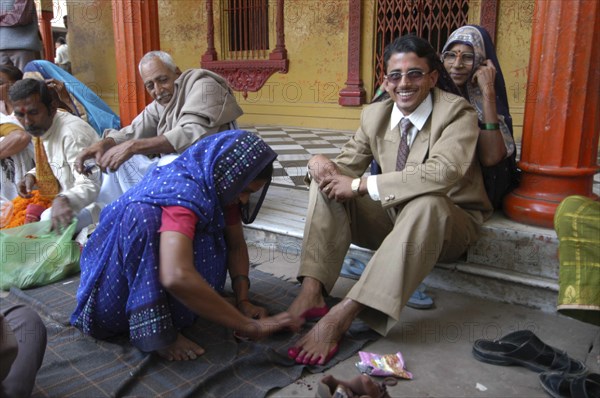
45 16
562 112
135 25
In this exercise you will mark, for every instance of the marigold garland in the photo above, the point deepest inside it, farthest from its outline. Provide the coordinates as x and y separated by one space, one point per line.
20 207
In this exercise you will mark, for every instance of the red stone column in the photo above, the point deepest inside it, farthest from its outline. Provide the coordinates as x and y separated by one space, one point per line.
562 111
45 15
135 24
354 93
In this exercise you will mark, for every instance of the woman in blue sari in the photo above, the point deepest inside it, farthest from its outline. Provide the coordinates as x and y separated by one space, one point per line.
161 252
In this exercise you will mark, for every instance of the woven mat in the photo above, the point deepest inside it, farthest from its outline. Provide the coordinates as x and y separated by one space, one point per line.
76 365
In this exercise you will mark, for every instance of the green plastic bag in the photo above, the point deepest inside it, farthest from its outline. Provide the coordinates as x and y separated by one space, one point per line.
31 255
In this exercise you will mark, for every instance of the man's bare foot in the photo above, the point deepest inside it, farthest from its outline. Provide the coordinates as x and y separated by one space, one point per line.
183 349
310 297
322 341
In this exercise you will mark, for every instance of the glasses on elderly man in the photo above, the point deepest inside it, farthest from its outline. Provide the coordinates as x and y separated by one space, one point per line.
414 75
451 57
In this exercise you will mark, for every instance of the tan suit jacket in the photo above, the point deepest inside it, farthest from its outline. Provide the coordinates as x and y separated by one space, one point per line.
442 158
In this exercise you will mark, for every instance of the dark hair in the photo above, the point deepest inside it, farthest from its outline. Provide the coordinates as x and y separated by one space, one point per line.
27 87
61 40
13 73
421 47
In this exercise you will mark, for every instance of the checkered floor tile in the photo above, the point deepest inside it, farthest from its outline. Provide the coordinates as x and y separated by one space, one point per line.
295 147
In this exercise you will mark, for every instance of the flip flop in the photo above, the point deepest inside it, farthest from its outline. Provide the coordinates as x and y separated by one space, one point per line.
560 385
524 348
419 299
352 268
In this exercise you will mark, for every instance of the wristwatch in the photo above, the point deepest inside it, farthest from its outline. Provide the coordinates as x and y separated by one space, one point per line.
355 185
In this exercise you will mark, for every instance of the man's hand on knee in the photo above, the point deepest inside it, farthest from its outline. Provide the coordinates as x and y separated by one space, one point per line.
320 167
337 187
117 155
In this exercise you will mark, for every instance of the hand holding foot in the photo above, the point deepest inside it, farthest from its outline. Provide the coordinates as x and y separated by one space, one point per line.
259 328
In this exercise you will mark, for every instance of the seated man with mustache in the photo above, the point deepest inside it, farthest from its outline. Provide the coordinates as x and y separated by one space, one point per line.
58 138
187 107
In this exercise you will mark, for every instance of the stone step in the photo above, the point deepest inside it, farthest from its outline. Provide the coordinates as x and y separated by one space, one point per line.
511 262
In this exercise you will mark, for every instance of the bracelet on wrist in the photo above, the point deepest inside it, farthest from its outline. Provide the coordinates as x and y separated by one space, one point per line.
490 126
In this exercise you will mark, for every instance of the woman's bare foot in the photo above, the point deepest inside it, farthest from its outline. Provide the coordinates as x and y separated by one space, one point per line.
183 349
310 297
321 342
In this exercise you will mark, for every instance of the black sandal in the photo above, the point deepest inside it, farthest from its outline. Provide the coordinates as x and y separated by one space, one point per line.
524 348
560 385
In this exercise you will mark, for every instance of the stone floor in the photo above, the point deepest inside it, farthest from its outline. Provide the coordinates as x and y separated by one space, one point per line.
436 343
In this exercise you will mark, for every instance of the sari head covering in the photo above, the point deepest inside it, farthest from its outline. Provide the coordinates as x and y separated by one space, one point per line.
480 41
503 177
120 261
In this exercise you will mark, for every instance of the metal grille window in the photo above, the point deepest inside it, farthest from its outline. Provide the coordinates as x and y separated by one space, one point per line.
432 20
247 28
244 58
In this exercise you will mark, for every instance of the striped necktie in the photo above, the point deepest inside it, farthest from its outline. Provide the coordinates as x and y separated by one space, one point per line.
403 149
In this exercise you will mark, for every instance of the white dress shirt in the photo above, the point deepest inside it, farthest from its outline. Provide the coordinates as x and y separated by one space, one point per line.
418 119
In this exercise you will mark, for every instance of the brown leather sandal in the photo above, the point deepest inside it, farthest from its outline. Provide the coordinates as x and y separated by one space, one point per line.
358 387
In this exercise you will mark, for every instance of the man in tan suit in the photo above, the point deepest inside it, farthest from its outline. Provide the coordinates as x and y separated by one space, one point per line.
422 209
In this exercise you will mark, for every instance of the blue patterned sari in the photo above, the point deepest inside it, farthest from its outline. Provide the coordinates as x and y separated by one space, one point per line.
120 291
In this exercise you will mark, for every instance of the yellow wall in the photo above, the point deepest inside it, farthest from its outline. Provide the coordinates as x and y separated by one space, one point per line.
91 47
316 35
513 37
316 38
182 26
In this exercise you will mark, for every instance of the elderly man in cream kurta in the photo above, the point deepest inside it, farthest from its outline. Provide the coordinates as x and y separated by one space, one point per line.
412 216
187 107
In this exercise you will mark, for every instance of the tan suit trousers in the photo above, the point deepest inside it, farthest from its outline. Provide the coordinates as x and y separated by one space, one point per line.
408 242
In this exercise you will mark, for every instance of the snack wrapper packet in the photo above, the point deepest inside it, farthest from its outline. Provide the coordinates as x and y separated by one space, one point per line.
383 365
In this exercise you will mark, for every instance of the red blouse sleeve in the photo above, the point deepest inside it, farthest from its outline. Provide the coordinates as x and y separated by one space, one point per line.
178 219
